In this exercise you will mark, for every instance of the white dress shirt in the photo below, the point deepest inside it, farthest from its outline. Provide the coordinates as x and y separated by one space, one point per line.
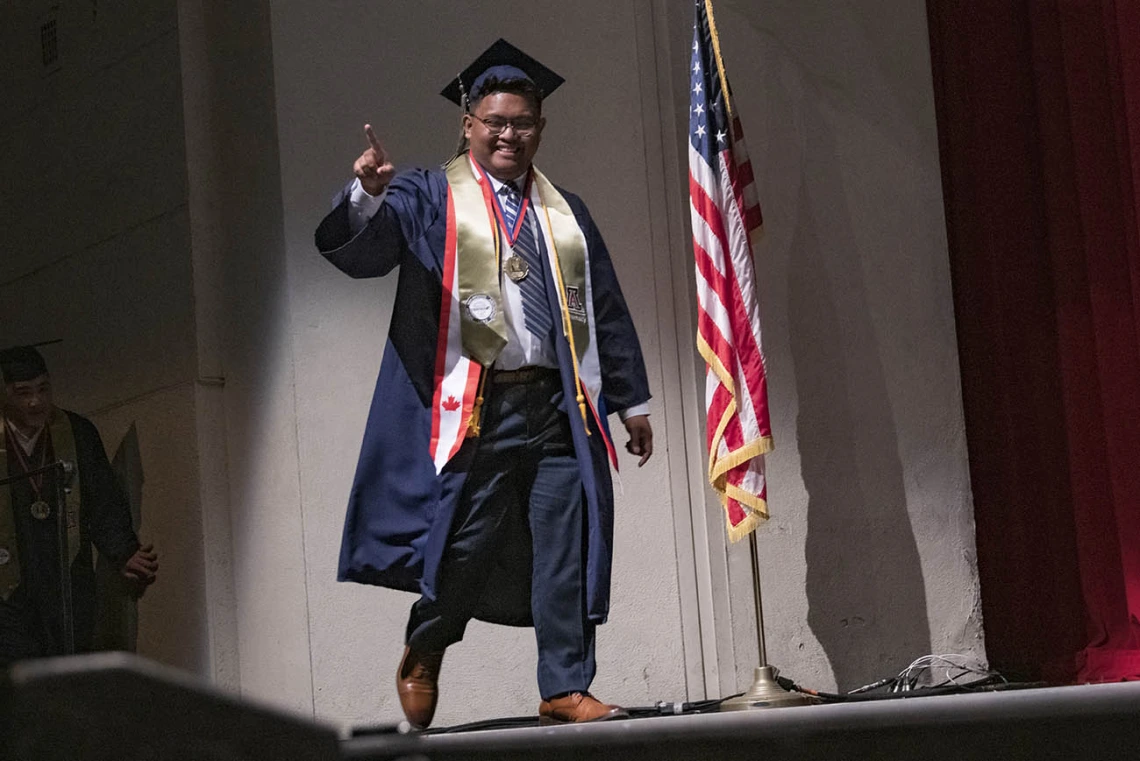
523 349
27 443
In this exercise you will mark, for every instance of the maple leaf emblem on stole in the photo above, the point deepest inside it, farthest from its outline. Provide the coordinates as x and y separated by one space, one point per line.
450 404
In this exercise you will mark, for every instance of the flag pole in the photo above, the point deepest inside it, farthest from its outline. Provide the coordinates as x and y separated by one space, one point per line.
765 691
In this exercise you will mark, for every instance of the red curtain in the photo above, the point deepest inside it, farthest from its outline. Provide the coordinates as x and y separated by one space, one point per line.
1038 106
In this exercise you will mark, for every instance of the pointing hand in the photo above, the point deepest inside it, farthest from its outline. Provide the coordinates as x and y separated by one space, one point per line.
374 167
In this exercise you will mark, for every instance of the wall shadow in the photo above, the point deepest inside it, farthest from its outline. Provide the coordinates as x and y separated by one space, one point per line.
864 584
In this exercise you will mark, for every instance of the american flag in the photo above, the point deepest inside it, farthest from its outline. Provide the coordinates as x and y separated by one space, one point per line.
726 216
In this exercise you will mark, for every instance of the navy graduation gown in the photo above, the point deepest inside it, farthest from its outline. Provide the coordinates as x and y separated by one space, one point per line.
399 510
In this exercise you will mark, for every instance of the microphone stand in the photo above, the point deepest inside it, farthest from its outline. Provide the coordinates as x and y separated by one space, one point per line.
63 471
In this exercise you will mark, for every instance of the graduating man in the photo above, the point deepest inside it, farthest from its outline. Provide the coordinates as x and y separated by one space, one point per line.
37 433
483 482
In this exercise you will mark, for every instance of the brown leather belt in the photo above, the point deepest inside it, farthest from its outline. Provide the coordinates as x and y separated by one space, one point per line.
524 375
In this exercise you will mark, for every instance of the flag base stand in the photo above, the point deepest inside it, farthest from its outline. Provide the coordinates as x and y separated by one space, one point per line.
765 692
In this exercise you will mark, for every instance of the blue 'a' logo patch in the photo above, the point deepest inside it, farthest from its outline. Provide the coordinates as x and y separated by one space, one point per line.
574 303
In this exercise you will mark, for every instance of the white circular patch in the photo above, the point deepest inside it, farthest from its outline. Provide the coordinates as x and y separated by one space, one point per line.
481 307
5 556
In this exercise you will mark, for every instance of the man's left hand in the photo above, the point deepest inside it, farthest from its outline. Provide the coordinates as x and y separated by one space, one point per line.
640 437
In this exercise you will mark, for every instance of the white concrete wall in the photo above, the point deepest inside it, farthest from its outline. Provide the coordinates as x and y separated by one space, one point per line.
243 329
97 251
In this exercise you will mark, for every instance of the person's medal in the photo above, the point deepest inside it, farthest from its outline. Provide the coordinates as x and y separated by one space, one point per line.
517 268
40 509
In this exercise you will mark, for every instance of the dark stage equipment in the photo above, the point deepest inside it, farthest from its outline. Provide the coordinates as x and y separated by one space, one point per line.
119 707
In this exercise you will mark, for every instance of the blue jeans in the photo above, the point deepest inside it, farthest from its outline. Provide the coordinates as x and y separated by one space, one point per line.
523 462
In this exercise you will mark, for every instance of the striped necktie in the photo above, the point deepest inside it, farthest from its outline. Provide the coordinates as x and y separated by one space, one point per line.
536 307
511 203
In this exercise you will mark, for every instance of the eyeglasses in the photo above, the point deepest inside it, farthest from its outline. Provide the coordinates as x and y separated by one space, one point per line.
523 127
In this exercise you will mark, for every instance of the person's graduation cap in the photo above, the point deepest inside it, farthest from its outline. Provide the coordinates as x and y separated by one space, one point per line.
504 62
23 363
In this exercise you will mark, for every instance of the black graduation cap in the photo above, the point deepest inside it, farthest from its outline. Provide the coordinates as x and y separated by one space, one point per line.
504 62
22 363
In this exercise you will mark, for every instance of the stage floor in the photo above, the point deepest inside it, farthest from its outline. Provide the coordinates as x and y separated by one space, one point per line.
1081 722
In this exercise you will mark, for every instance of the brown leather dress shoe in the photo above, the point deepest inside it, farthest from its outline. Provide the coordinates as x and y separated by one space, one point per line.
417 684
577 707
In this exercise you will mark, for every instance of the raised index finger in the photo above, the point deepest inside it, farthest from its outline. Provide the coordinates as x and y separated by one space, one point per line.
372 140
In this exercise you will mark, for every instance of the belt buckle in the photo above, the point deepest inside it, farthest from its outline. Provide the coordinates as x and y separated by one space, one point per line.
520 375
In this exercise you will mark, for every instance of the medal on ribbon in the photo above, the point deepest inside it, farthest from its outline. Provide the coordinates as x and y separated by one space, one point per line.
39 509
516 268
